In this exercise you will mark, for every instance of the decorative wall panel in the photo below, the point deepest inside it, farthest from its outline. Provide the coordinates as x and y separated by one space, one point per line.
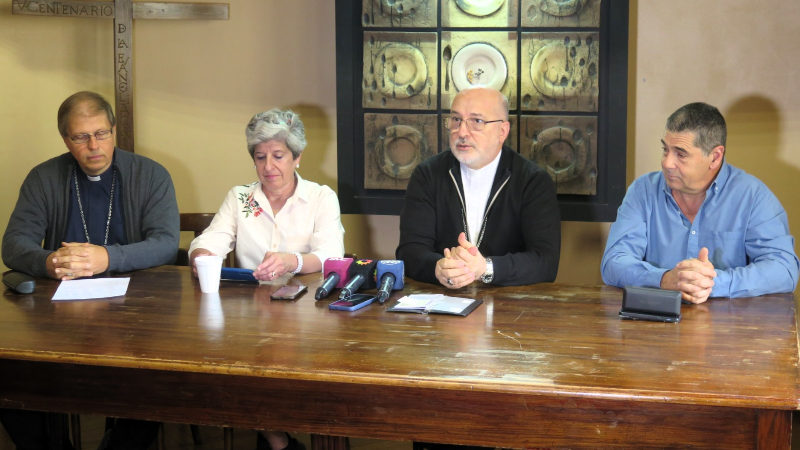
480 13
399 70
485 58
395 144
398 13
561 13
560 71
566 147
562 64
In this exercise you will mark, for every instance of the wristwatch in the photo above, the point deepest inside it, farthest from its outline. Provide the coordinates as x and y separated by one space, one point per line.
488 276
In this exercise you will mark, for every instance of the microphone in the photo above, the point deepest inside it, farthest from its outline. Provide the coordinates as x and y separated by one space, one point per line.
336 276
361 274
390 274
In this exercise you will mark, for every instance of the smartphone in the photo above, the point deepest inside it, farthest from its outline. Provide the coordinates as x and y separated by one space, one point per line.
354 303
288 292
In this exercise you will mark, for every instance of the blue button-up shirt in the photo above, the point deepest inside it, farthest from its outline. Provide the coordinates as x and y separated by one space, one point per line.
741 222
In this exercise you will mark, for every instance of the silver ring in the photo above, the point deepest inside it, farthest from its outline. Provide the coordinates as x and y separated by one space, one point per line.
70 274
449 281
273 274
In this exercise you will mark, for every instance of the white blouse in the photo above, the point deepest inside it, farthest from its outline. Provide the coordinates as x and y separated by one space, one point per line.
309 222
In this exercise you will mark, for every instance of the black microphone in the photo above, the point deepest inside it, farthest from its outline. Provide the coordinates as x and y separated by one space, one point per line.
390 274
361 274
336 275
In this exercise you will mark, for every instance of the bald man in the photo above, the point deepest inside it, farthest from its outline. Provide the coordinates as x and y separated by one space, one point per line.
480 212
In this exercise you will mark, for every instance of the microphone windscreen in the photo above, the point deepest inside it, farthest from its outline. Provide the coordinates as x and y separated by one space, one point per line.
339 266
364 267
393 266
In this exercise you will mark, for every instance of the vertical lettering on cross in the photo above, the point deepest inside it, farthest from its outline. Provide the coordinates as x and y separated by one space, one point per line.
123 72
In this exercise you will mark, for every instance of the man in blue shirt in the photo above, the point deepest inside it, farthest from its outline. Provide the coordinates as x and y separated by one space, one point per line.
700 225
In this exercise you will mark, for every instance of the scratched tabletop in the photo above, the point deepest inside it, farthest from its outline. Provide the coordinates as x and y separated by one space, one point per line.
543 338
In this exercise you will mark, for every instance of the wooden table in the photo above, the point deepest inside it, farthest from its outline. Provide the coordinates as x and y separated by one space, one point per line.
534 366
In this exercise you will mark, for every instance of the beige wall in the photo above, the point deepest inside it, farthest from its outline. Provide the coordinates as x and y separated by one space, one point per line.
198 82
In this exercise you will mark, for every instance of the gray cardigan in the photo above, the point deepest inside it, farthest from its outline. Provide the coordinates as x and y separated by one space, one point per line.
150 211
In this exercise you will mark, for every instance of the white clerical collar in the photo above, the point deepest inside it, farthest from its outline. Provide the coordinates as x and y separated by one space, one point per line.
95 178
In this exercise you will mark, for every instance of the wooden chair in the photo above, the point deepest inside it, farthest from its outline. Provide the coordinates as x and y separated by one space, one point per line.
197 223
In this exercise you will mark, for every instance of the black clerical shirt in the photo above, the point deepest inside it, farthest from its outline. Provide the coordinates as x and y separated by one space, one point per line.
94 199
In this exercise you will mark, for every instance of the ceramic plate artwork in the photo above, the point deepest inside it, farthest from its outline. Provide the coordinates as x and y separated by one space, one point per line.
479 64
560 8
552 72
402 7
401 70
479 8
399 151
561 151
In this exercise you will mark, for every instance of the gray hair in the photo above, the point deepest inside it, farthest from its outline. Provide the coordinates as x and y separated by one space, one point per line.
704 120
95 104
275 124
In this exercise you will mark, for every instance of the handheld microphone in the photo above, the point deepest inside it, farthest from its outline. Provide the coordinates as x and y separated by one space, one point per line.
335 270
390 275
361 274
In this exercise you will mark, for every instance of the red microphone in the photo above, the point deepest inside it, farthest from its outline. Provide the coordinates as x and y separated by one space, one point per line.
335 271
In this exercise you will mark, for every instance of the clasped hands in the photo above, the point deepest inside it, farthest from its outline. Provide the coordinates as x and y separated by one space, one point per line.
693 277
461 265
273 266
77 260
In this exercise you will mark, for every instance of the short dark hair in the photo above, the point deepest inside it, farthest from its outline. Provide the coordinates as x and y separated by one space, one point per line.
702 119
97 104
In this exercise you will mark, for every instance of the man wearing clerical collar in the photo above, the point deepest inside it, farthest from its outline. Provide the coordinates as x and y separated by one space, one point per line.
700 225
480 211
96 209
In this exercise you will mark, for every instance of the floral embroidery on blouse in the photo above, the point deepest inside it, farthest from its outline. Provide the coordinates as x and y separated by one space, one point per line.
250 205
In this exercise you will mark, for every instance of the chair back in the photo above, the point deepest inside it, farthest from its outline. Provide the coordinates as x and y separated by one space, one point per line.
197 223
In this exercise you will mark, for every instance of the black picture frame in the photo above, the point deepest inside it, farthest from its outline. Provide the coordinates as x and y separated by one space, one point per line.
354 198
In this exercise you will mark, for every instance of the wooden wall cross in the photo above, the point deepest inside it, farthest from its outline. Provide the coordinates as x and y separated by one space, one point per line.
123 12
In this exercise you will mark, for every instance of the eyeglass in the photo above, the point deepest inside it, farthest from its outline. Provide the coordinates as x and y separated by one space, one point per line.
453 123
100 135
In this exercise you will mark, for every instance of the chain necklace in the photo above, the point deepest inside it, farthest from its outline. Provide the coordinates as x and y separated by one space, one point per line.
80 205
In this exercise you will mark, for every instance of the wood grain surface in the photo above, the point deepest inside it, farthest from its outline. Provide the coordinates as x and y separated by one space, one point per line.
534 366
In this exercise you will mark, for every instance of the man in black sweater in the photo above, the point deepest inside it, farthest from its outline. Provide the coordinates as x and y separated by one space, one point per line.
480 211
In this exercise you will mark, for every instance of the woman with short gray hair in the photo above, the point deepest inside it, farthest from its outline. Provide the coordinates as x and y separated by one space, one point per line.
281 224
285 126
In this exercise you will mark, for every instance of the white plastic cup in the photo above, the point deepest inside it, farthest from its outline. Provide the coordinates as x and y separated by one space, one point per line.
209 269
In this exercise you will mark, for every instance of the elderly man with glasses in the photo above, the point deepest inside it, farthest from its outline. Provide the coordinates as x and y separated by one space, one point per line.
480 212
94 210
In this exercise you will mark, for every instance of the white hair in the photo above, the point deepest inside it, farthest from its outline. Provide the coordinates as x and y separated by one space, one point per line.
275 124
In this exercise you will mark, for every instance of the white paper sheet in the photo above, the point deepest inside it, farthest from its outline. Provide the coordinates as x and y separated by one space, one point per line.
91 288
